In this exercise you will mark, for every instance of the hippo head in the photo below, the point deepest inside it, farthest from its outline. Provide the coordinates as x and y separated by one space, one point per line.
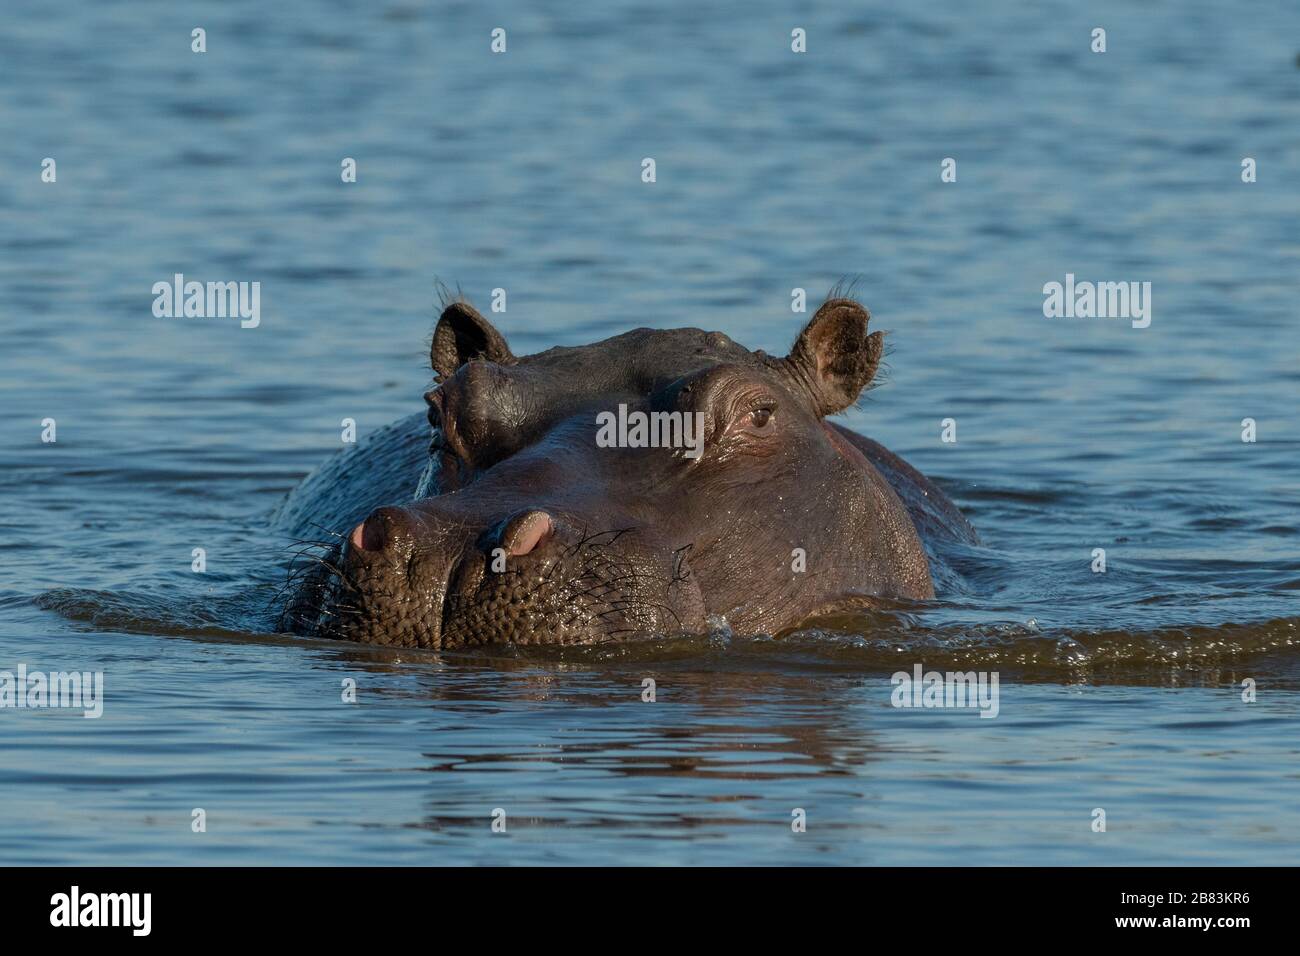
642 485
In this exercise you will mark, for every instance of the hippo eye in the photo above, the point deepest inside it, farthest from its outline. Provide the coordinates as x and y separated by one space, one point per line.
757 421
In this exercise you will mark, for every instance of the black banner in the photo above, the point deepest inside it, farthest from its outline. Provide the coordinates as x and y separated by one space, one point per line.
304 905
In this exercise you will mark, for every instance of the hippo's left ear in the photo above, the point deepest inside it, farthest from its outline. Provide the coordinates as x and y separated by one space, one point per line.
834 358
463 335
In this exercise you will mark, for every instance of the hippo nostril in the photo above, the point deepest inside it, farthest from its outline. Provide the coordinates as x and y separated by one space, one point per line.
525 531
369 535
376 532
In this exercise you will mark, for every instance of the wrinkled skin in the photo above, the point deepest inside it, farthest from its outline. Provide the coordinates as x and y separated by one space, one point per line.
497 516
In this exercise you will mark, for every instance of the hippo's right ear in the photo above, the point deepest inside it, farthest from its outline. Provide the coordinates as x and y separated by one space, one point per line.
463 335
834 358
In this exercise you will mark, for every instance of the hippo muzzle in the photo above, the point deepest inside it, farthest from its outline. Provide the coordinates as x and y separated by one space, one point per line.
430 576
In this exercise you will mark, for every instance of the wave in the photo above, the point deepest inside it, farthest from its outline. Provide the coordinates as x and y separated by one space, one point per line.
865 641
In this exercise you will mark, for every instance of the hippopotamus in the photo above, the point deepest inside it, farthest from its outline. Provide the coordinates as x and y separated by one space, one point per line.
509 510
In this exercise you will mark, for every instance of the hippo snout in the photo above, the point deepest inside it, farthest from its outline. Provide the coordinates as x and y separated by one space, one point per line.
426 576
391 579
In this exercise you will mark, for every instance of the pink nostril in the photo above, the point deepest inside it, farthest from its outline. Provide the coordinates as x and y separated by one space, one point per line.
369 535
356 537
525 532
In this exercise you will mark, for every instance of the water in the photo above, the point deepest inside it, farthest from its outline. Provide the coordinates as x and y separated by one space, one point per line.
1119 690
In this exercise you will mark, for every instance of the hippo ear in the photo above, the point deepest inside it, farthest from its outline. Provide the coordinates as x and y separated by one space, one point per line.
834 358
463 335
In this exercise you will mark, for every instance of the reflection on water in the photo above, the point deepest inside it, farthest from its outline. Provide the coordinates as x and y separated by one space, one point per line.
1120 690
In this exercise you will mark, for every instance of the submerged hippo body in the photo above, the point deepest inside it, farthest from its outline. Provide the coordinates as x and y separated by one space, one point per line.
504 514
